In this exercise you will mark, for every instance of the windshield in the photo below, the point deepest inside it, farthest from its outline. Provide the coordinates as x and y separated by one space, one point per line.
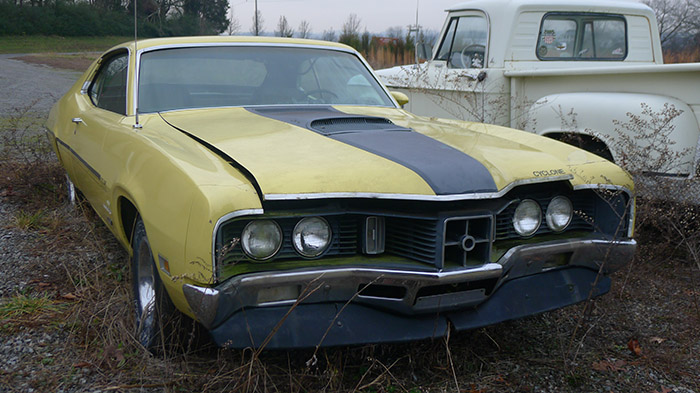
200 77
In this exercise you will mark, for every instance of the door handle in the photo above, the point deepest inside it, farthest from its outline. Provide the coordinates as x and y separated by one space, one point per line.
78 120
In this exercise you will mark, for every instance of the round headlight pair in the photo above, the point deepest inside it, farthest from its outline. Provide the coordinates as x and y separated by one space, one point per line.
528 215
262 239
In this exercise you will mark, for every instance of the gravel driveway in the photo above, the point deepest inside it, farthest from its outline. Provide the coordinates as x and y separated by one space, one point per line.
21 86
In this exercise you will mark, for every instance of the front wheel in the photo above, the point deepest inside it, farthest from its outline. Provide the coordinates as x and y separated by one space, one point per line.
154 309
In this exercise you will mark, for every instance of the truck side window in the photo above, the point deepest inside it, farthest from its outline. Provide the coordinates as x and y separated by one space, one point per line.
464 44
582 36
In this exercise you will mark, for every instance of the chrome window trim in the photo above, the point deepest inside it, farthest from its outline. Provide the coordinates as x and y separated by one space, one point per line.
353 52
219 222
260 106
88 82
416 197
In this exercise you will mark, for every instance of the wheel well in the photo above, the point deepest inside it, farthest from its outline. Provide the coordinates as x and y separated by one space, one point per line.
584 141
128 214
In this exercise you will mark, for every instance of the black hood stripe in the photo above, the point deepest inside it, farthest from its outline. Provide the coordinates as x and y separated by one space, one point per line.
446 169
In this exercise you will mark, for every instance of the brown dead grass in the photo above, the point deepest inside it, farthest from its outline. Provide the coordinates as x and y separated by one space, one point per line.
75 62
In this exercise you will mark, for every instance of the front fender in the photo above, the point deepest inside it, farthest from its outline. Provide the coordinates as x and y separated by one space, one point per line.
649 133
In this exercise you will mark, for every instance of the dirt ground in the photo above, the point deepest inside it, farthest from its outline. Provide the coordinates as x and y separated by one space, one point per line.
65 313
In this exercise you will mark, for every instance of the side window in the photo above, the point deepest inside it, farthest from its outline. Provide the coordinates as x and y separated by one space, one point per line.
464 45
581 36
108 89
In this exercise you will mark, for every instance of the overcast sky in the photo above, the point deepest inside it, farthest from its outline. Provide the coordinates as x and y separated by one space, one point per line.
375 15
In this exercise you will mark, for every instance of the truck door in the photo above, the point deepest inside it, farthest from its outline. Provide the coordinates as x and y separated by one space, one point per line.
458 80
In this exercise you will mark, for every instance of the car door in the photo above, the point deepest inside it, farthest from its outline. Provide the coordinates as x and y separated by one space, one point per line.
100 111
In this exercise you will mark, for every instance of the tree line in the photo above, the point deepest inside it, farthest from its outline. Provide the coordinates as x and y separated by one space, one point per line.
112 17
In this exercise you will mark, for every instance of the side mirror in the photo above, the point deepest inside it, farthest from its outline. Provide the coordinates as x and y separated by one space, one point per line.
401 98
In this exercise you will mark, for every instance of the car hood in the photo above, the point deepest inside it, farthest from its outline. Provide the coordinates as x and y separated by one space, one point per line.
311 152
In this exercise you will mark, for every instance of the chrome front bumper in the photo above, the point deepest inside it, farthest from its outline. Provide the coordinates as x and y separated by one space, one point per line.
411 293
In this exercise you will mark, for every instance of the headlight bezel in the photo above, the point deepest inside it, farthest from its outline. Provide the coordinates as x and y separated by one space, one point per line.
245 245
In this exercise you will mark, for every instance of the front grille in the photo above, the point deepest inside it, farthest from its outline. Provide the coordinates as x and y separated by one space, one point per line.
413 238
448 242
441 236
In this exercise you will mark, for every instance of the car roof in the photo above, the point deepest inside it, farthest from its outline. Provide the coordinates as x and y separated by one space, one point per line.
204 40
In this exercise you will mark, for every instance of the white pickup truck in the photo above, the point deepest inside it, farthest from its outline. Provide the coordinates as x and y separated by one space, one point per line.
586 72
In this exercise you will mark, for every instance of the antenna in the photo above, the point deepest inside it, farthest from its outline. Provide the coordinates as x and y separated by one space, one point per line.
136 51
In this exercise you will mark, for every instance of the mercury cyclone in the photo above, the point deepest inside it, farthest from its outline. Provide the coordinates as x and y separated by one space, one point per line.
274 191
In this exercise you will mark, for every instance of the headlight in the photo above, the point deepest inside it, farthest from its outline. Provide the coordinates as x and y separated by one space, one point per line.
559 213
527 217
261 239
311 236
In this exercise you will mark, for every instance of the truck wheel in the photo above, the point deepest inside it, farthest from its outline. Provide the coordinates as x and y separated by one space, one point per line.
587 143
154 309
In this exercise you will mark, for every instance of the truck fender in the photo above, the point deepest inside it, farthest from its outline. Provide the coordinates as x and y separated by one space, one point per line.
618 120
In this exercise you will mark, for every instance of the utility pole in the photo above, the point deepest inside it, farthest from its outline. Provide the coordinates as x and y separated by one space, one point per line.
257 26
415 28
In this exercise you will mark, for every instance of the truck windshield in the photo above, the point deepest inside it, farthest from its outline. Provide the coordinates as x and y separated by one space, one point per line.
580 36
464 44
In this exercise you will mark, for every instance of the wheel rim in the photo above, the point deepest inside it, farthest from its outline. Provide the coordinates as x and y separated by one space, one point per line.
71 191
145 285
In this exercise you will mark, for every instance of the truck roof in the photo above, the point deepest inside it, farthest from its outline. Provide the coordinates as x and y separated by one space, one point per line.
617 6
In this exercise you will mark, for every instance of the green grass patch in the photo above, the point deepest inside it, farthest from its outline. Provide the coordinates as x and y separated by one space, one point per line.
45 44
23 305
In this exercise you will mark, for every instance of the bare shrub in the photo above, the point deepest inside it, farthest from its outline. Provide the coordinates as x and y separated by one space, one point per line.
27 163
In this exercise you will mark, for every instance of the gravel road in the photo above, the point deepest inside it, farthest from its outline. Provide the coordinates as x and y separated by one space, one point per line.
21 86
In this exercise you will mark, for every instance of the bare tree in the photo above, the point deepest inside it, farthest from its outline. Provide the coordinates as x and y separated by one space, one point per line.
283 28
351 27
257 27
395 32
234 26
328 35
676 17
304 30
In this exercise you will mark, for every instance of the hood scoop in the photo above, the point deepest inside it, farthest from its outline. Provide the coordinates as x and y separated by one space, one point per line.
341 125
326 120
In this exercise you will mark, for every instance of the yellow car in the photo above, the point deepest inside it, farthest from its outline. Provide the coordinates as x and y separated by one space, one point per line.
276 192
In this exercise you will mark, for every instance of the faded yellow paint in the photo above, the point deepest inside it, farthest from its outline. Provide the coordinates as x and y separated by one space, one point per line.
181 189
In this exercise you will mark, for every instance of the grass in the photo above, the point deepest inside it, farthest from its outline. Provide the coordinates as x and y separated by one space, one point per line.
55 44
27 304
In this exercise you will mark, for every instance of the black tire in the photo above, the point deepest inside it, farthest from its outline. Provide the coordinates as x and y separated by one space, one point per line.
155 312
